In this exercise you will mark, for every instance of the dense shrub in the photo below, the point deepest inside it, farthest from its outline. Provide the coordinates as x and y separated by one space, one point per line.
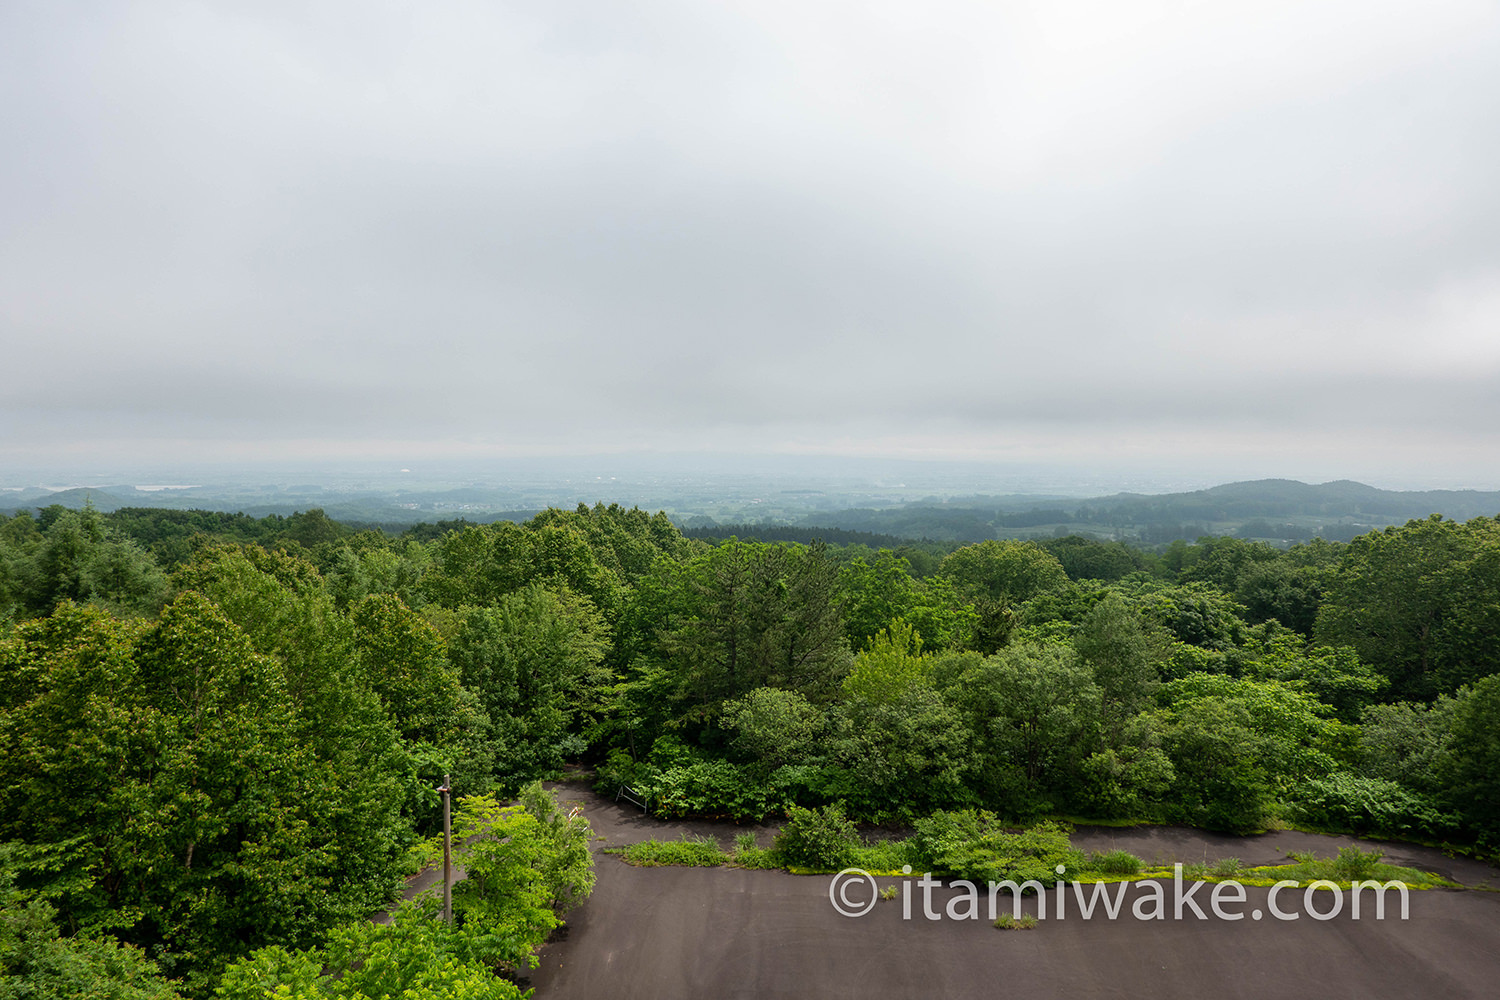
710 788
816 838
972 844
1344 801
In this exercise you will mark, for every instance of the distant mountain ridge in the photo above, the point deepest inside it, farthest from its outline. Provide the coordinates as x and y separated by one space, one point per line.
1283 510
1278 510
1342 495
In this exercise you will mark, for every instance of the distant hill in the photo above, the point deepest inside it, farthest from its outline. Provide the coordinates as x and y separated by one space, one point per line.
106 501
1278 510
393 509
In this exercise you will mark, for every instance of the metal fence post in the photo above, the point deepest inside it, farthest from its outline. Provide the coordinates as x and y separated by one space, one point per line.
447 853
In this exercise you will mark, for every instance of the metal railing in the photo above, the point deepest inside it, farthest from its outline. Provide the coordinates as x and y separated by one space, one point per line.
637 799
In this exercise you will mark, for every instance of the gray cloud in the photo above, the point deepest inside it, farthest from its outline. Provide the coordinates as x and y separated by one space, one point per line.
1223 228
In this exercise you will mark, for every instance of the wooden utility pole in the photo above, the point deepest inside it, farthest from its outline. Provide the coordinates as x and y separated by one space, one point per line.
447 853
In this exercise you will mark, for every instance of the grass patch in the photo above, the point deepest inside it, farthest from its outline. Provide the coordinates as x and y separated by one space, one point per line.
882 856
888 857
1349 864
1006 922
690 852
1114 863
748 854
757 858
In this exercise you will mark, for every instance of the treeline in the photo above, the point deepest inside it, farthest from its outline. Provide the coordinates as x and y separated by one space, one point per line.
221 735
790 533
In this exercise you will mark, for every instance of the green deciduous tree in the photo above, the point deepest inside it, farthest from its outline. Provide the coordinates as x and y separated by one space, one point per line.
743 616
525 864
534 658
38 963
898 759
1088 559
1408 743
625 542
159 781
1198 614
1007 571
1124 652
1335 677
1472 772
890 664
281 604
1419 602
521 869
1215 753
1282 592
878 590
479 564
1237 744
1034 710
1127 777
414 957
404 661
773 727
996 575
1223 560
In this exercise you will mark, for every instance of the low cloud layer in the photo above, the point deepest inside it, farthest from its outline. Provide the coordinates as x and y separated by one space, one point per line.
1185 232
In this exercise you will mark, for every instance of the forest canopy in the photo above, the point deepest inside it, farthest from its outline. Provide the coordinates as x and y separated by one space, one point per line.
220 736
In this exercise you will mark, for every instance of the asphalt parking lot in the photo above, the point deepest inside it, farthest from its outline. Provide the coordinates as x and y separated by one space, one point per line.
668 933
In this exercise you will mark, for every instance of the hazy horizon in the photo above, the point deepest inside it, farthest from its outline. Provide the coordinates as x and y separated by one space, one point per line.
611 474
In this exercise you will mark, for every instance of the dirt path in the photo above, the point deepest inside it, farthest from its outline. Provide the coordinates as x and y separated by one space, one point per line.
668 933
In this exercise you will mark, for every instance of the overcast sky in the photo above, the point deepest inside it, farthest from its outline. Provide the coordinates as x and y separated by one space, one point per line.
1262 237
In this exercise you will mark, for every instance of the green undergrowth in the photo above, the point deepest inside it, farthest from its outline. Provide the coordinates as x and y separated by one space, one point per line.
1107 823
686 852
1478 852
1115 863
962 850
1349 864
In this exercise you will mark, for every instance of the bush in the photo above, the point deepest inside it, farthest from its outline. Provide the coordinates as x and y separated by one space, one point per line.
970 844
416 956
882 856
712 788
1343 801
621 769
816 838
